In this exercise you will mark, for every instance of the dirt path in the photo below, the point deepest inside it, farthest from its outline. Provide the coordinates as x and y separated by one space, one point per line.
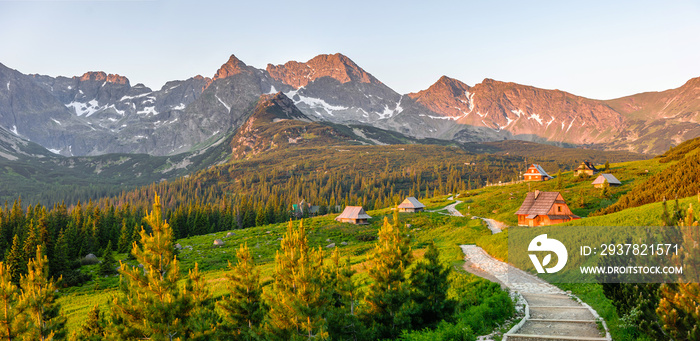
550 313
450 208
453 210
494 225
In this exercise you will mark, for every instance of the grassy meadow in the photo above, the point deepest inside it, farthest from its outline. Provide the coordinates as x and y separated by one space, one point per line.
354 242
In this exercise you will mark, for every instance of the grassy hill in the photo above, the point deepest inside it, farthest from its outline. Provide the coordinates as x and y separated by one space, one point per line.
501 202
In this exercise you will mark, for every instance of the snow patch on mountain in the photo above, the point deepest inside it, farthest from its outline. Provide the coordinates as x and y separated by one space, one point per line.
132 97
389 113
314 103
55 151
272 90
14 130
535 117
440 117
85 108
550 122
470 96
57 122
8 85
510 120
228 108
148 111
180 106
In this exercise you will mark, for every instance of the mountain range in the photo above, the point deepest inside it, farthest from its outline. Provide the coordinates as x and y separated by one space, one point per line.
99 113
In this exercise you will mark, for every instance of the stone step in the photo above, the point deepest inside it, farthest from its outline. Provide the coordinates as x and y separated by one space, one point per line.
560 328
561 313
559 300
523 337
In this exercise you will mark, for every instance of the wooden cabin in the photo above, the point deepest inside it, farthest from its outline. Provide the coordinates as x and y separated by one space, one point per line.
544 208
536 173
585 168
612 180
412 205
354 215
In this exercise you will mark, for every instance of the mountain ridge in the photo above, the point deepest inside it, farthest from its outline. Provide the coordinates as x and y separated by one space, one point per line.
102 113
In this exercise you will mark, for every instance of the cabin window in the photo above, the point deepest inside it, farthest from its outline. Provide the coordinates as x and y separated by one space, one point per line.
559 209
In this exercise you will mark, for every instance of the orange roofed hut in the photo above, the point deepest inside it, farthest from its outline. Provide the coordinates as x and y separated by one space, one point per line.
536 173
544 208
354 215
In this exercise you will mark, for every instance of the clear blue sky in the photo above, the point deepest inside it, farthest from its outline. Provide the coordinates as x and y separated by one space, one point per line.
597 49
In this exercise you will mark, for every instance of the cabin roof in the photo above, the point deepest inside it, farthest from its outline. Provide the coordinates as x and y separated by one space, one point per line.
540 170
411 202
353 212
587 165
611 179
539 205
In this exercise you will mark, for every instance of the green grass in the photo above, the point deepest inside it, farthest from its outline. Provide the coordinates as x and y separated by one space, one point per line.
446 231
501 202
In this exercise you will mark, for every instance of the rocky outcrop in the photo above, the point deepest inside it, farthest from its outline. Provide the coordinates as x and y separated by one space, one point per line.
336 66
100 76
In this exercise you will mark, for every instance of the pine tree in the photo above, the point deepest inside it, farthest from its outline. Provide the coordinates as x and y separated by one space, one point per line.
125 240
243 308
108 265
14 259
151 305
343 322
387 312
12 319
203 320
30 244
560 181
429 283
93 329
39 299
679 308
297 298
60 262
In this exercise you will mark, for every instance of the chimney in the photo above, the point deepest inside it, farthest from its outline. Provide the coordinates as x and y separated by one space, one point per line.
537 193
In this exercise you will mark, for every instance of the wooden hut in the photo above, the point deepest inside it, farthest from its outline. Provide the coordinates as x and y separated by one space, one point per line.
544 208
354 215
585 168
412 205
536 173
612 180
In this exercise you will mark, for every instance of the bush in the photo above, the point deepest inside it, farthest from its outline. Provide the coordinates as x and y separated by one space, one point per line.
444 331
366 237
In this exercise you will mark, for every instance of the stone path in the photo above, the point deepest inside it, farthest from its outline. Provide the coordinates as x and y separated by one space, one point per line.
494 225
550 313
451 208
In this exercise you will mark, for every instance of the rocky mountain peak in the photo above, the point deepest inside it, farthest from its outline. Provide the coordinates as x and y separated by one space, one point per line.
447 96
336 66
101 76
445 86
232 67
